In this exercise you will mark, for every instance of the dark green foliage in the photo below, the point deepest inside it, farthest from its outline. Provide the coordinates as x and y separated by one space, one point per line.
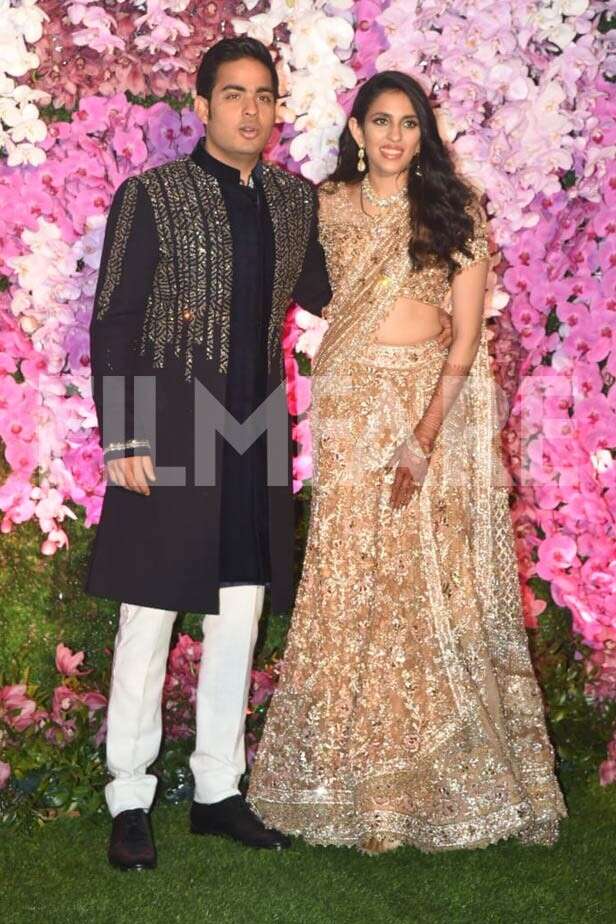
552 325
580 727
607 21
51 114
183 101
568 179
48 781
43 603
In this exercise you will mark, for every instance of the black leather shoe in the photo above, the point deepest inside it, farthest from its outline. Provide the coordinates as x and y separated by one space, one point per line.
131 845
234 818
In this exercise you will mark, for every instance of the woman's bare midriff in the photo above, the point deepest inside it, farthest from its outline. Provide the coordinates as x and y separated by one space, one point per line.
409 322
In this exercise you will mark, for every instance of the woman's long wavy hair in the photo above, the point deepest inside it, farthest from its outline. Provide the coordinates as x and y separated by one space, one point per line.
437 196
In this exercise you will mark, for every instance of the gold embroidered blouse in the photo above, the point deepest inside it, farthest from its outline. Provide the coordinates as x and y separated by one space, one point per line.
344 230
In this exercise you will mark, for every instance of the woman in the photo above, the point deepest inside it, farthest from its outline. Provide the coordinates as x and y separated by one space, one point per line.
407 709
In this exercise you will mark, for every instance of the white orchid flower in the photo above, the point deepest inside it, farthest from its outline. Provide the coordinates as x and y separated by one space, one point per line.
24 153
259 27
25 125
28 19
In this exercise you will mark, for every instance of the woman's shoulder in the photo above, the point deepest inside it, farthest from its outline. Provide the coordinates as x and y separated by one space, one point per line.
334 202
477 243
330 193
329 188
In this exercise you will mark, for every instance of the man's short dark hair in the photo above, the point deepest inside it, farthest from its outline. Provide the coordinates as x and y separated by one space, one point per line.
232 49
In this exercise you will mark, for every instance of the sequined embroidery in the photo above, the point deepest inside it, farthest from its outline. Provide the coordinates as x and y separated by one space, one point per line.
339 220
190 303
115 261
291 206
189 307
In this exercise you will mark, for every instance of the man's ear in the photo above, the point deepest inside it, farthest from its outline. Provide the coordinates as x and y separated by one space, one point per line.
357 133
202 109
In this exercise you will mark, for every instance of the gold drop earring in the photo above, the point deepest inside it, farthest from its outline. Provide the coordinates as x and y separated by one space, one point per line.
361 159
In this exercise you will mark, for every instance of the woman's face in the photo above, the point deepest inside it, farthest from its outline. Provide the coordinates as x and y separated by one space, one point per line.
390 133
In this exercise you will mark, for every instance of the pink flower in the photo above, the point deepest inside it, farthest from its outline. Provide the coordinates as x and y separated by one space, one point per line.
252 746
556 553
298 394
301 434
263 685
94 700
302 470
93 114
533 607
185 656
17 709
64 700
309 341
607 772
163 129
5 773
129 144
290 331
101 734
67 662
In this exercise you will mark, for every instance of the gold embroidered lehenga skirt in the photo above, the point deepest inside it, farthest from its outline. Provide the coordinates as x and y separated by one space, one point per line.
407 706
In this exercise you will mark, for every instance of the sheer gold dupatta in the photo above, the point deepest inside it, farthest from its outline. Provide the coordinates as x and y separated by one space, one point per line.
361 302
367 294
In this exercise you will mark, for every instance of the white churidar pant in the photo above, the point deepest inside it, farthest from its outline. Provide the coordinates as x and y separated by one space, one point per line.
134 715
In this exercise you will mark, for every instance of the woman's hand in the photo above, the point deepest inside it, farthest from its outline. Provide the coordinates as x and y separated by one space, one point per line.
411 462
445 338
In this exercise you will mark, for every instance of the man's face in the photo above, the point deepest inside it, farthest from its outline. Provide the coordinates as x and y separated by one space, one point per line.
240 116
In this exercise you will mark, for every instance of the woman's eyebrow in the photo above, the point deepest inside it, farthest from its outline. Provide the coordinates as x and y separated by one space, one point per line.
409 115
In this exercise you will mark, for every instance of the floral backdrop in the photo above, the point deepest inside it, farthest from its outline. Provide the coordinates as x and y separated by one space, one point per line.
91 92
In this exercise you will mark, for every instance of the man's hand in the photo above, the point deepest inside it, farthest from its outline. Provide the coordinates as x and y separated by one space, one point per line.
445 338
132 474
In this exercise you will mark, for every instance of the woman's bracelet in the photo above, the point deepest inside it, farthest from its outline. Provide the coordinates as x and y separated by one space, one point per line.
425 454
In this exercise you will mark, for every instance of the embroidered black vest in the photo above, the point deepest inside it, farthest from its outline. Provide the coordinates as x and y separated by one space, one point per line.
190 303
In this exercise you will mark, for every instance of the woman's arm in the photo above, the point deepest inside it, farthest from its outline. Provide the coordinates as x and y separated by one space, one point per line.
468 291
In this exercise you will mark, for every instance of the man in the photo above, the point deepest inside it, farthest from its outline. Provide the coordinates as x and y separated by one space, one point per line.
201 259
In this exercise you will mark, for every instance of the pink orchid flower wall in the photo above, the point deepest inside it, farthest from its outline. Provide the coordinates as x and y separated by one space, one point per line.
522 97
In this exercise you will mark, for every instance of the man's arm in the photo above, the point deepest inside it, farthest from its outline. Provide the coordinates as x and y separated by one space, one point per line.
312 290
128 262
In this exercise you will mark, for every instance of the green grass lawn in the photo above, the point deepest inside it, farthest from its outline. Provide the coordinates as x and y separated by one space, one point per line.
59 875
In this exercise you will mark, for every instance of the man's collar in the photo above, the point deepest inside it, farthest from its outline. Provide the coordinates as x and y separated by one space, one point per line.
217 168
